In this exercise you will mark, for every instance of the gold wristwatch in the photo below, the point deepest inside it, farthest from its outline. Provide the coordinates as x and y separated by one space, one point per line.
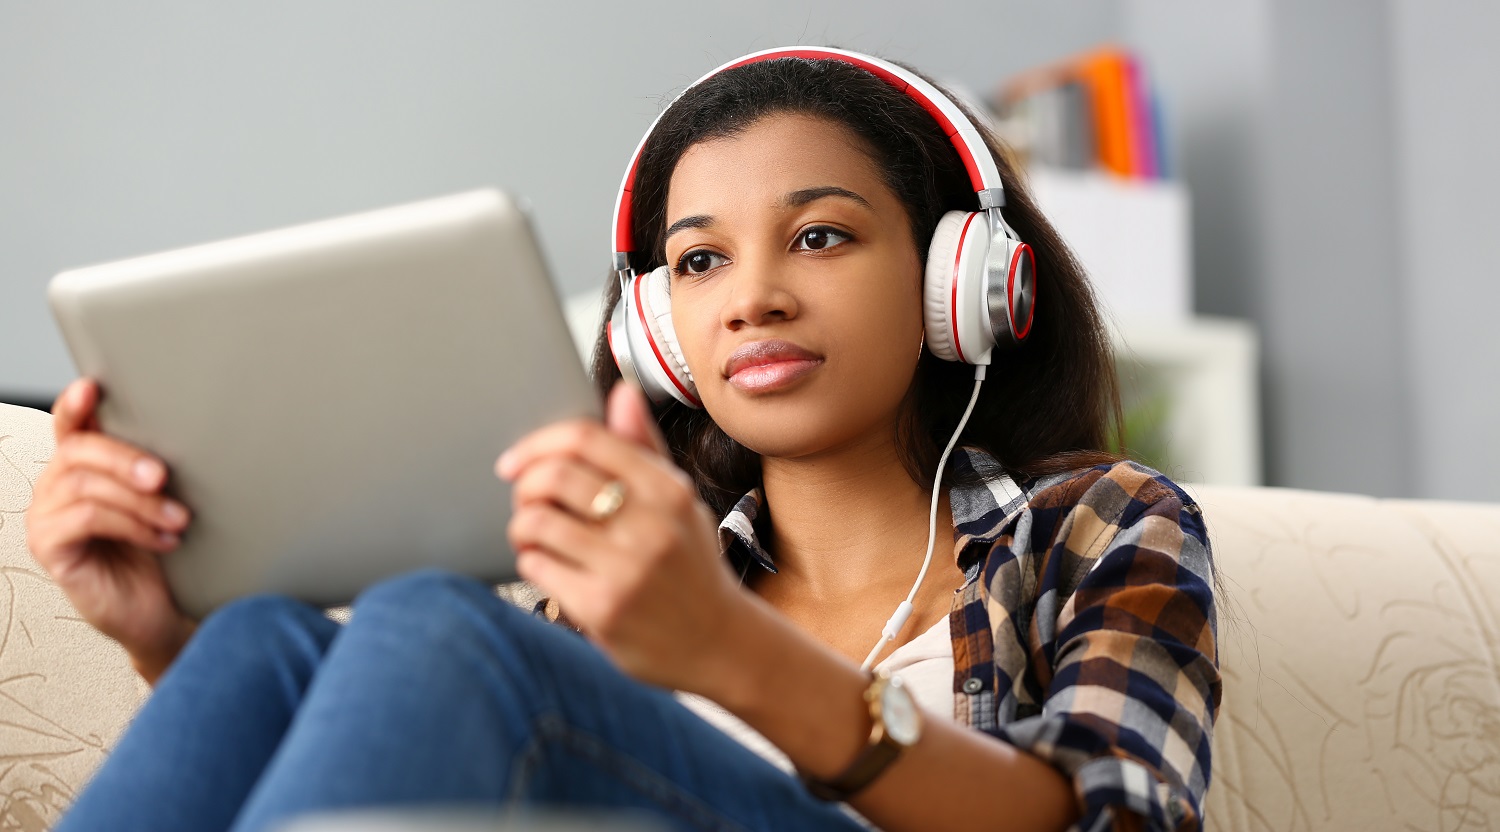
897 727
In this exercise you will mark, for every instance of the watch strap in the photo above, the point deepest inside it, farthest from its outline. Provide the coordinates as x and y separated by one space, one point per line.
881 751
866 767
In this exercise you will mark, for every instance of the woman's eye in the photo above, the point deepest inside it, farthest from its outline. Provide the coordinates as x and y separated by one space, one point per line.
698 262
820 238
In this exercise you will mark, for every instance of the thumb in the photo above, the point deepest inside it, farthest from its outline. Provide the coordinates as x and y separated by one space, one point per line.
74 409
627 414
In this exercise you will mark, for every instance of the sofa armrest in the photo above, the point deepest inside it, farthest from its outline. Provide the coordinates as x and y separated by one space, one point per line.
66 692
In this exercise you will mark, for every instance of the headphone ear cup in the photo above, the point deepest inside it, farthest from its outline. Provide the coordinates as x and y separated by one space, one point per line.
658 292
649 350
953 289
937 285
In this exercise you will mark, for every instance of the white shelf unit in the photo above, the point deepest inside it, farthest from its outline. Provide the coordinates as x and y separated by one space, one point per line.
1199 374
1205 370
1134 237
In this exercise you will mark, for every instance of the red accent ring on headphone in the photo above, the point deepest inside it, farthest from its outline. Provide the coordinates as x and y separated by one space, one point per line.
1010 291
640 312
953 302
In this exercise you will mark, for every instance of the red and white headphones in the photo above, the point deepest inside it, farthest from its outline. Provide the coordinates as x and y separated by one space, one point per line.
978 291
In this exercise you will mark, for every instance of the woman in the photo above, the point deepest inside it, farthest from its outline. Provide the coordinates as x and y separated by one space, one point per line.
1059 670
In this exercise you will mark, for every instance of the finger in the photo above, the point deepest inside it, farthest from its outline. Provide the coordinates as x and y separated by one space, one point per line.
83 484
617 458
85 521
561 535
74 408
121 460
566 482
627 414
555 577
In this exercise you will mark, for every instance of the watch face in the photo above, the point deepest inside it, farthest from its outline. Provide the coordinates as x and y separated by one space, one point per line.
902 721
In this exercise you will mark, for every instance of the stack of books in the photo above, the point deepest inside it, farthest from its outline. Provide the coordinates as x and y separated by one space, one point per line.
1096 110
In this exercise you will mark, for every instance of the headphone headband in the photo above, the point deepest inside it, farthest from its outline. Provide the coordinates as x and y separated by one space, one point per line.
984 176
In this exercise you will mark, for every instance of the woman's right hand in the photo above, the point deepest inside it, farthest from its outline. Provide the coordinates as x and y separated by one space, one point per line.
98 524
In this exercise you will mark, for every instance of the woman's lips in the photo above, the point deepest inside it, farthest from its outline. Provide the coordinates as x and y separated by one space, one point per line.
764 366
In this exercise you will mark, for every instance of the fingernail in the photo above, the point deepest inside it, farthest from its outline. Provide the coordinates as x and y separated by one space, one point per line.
148 473
167 539
504 463
174 513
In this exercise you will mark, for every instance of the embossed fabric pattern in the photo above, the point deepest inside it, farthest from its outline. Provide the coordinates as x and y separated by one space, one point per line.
66 692
1360 648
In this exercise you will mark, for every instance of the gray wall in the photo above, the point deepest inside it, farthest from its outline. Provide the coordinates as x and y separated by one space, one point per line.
1282 111
1447 135
1339 153
1336 395
129 128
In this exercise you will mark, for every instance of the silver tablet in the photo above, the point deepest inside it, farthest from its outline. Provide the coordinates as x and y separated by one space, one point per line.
331 398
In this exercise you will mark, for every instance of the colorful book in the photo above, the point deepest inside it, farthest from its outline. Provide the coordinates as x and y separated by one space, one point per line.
1094 110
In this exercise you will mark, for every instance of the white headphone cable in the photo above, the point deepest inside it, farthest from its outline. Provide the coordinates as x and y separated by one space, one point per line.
904 609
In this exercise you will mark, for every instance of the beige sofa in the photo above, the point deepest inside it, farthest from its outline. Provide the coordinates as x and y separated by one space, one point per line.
1359 639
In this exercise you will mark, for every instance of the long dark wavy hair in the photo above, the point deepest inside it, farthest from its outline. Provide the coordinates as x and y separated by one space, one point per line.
1049 406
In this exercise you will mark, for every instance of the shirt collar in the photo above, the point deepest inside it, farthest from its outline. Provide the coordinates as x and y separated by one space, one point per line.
739 538
979 512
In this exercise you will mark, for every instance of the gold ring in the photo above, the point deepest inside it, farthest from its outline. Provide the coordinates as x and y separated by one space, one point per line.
607 501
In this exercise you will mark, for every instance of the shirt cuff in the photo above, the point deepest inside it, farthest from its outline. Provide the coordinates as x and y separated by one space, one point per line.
1107 785
1114 793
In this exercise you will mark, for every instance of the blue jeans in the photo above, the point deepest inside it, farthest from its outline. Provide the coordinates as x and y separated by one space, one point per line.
436 693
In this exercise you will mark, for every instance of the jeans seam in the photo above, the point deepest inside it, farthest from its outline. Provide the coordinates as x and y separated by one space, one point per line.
553 729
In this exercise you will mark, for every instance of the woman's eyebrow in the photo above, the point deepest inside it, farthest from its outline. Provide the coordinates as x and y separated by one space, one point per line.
797 199
695 221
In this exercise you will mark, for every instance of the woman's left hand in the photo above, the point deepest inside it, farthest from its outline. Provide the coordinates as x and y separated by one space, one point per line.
646 582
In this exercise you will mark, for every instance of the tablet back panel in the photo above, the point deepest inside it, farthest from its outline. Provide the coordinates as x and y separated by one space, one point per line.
331 398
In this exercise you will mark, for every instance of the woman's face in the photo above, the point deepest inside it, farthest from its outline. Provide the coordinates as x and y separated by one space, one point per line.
796 290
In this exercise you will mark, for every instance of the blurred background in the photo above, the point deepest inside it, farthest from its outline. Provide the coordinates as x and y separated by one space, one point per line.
1287 204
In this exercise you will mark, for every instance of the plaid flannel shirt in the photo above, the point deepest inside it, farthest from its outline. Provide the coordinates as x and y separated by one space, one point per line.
1085 632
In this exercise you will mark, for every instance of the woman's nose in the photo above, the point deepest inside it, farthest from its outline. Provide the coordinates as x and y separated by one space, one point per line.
758 294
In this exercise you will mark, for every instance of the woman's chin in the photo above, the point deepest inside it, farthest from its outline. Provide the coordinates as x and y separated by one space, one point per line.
794 433
812 414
